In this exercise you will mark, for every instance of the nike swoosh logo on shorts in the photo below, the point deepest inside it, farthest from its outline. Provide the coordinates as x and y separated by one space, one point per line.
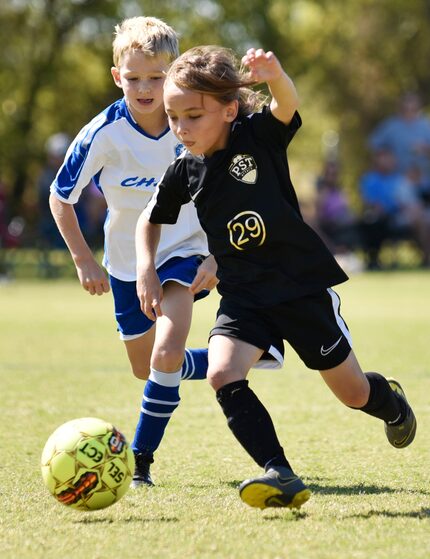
325 352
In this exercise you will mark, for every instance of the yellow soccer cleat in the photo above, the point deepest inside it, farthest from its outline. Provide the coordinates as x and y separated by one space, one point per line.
278 487
403 434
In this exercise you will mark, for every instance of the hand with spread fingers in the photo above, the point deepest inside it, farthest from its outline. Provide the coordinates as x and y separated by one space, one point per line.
263 66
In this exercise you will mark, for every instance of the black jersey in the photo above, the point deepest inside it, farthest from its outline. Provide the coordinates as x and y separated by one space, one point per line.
248 208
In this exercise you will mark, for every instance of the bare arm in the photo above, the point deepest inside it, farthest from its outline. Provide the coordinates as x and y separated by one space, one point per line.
265 67
92 277
149 289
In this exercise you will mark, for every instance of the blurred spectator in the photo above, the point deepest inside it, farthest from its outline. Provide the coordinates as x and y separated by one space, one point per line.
335 220
416 196
406 135
55 147
419 185
90 210
392 208
11 229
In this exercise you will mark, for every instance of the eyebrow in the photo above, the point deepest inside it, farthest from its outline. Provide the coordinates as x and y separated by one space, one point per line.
196 108
130 71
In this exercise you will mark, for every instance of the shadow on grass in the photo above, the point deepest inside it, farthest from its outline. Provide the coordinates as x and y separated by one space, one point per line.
293 516
325 488
422 513
235 483
359 489
161 519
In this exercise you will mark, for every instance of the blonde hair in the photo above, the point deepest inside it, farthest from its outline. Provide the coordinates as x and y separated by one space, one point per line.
215 71
147 34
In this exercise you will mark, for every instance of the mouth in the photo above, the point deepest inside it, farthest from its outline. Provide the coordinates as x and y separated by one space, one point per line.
145 101
188 144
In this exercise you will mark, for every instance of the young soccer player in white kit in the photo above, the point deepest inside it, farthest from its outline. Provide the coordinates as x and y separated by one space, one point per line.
125 150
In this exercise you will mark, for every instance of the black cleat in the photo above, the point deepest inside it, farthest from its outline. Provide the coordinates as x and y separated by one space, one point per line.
142 475
278 487
403 434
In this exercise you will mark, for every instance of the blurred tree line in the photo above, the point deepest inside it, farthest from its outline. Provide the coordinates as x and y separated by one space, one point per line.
350 61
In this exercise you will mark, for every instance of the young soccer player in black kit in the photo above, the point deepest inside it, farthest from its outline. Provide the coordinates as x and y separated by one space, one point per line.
275 273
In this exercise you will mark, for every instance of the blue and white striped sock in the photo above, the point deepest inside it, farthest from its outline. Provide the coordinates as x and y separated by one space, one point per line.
160 399
195 365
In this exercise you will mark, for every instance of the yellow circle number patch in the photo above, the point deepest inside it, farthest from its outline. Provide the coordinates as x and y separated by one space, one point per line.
246 230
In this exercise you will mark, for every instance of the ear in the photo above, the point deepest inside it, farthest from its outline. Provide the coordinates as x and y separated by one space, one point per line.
116 76
231 110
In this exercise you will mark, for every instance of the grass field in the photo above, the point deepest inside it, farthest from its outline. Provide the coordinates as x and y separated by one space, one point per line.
60 358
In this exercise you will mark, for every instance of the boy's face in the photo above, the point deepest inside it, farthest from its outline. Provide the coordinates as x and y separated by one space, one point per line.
141 77
198 120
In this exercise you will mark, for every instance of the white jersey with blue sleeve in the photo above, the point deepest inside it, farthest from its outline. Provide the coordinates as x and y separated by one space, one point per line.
126 164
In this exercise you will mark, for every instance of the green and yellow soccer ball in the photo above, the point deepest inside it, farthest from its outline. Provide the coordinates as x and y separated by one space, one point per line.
87 464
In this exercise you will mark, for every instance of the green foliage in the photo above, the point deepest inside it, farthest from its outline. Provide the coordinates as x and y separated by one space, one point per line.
369 52
61 359
351 61
48 88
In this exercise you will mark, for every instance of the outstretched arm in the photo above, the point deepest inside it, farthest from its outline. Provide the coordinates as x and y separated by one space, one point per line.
265 67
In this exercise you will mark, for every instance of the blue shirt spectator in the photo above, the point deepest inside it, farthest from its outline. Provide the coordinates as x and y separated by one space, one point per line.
392 209
384 189
407 135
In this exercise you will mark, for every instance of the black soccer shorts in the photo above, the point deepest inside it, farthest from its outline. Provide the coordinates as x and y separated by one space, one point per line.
312 325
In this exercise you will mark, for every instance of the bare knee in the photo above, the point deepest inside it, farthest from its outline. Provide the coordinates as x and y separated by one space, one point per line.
139 371
139 352
219 377
230 360
216 378
167 357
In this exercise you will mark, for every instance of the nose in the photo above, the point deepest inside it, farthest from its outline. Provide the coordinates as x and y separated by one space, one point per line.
181 129
144 86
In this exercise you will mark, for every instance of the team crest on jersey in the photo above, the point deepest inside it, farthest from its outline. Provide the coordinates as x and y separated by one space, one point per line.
243 168
179 148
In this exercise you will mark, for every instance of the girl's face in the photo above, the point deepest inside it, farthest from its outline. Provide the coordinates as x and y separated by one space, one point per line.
141 77
198 120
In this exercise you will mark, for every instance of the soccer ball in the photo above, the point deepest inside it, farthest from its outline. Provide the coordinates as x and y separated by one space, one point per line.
87 464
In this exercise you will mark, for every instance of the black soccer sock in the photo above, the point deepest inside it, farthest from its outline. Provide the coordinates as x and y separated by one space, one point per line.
383 402
251 424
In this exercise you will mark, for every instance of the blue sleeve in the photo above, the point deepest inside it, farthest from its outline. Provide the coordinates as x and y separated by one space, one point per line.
84 160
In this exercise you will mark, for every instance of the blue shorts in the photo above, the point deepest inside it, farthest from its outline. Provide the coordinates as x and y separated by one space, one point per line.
131 321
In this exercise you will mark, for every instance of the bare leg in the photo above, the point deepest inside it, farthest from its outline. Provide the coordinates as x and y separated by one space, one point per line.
167 339
230 360
172 328
161 393
139 353
374 395
348 382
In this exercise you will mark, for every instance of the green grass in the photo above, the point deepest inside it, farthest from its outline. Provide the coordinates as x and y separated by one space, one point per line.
60 358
